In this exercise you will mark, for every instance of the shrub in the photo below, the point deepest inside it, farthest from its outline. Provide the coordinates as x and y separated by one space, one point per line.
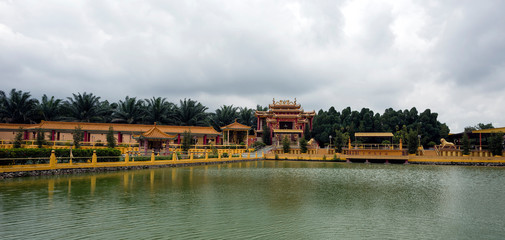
258 145
18 139
496 144
104 155
285 144
276 156
111 141
466 144
303 145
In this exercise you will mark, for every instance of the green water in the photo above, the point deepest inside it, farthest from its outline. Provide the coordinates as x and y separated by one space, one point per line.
260 200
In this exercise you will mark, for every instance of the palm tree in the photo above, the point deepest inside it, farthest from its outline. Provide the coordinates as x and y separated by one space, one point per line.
107 109
246 116
18 107
224 116
129 111
49 109
160 111
191 113
83 108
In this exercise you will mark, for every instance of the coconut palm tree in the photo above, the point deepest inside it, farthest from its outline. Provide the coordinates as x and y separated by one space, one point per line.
49 109
129 111
18 107
246 116
223 116
84 107
191 113
160 111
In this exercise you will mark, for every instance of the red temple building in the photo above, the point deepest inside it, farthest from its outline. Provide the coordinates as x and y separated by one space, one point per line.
285 119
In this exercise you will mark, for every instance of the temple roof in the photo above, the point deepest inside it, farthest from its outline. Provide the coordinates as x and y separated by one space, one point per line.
490 130
156 133
236 126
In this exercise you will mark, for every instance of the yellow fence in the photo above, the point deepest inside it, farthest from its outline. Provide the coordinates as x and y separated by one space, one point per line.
127 160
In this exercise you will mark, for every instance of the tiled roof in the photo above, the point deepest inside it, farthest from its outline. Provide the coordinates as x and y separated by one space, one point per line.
490 130
235 126
14 126
155 133
119 127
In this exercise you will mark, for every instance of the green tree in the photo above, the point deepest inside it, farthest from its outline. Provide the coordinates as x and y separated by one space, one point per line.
18 107
40 138
306 132
339 141
286 144
159 110
129 111
83 108
78 136
266 135
496 144
303 145
246 117
412 142
18 139
466 144
49 109
223 116
111 140
191 113
186 141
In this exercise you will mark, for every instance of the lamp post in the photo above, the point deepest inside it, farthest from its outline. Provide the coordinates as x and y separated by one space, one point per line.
330 141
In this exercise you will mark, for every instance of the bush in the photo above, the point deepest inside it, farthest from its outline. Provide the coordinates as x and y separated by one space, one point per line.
276 157
258 145
496 144
303 145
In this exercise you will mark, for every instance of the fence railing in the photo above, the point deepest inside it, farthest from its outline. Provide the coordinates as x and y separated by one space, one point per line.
53 162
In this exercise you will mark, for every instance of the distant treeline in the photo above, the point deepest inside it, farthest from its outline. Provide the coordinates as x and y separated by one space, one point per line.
17 106
400 123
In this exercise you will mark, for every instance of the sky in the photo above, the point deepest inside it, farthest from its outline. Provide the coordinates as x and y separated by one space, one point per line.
447 56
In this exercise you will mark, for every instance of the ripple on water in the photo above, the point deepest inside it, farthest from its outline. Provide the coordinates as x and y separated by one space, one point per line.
272 200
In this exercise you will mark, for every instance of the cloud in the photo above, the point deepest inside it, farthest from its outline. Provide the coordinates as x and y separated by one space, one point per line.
442 55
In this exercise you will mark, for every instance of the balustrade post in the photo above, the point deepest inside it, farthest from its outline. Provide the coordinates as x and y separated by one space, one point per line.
94 159
52 159
127 157
153 156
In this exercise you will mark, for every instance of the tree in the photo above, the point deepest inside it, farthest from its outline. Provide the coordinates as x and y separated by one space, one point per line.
40 138
78 136
286 144
303 145
224 116
191 113
18 139
496 144
49 109
266 135
339 141
18 107
412 142
306 132
186 141
111 140
160 111
466 144
246 117
129 111
83 108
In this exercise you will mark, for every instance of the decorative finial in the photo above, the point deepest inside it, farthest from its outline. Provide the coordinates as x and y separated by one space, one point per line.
273 101
295 101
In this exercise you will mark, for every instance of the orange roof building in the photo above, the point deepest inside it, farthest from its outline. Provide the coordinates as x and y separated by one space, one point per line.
96 132
235 133
285 119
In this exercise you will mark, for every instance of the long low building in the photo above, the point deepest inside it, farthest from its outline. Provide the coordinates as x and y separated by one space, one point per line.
97 132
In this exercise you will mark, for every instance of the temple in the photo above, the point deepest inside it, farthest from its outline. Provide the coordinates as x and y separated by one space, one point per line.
284 119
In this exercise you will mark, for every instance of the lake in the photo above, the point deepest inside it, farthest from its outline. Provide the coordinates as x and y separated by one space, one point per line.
260 200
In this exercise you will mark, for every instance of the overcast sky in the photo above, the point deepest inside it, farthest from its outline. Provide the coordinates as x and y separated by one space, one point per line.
448 56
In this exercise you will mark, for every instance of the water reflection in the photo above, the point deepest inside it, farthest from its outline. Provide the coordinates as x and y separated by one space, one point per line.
267 199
